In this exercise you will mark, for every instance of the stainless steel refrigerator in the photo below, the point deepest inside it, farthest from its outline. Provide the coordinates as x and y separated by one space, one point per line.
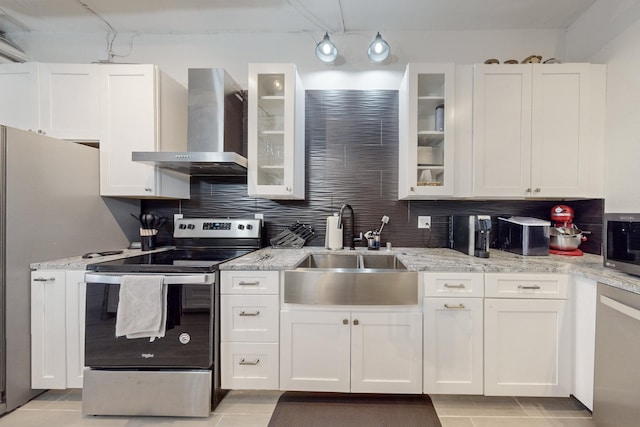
50 208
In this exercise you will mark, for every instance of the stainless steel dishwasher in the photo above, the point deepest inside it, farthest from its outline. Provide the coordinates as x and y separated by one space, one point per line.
617 377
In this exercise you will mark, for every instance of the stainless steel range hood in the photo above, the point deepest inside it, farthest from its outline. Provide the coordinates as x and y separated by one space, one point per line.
215 133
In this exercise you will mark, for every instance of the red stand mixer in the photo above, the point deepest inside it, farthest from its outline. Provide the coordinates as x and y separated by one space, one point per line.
565 237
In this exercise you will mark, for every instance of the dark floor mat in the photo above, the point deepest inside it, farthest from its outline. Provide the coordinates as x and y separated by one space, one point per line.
304 409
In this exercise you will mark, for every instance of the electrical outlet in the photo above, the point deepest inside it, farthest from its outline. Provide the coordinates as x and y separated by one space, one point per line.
424 222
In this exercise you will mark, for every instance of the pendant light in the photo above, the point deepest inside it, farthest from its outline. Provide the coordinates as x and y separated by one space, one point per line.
379 50
326 51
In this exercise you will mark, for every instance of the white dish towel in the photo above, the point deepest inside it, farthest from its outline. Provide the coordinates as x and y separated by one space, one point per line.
142 307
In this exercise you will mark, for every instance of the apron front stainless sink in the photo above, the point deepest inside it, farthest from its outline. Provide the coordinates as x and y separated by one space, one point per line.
346 279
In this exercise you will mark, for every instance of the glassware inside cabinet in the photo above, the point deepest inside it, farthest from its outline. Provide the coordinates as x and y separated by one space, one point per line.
430 130
271 108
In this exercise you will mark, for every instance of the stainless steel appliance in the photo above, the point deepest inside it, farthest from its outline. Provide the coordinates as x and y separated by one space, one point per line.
622 242
616 392
524 235
178 374
216 131
50 208
470 234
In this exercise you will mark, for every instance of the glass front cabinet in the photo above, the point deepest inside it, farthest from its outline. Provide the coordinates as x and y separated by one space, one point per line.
426 131
276 132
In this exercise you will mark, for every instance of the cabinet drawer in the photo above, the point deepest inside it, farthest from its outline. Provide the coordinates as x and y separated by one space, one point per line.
249 282
250 318
550 286
453 284
250 366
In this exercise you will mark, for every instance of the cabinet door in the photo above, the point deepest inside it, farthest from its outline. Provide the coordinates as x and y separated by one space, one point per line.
315 351
127 124
276 140
527 348
453 345
386 352
502 130
426 116
48 336
69 101
75 318
19 100
560 130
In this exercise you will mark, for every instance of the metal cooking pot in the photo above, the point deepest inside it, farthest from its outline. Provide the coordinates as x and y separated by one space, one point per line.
566 238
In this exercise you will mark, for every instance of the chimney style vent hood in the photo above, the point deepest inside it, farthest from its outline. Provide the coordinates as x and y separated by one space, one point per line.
215 133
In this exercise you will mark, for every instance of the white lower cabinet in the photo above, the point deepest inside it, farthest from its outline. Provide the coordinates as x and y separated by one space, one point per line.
351 351
528 346
453 333
250 310
57 328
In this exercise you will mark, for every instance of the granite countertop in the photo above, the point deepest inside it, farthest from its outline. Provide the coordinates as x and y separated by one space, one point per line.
443 260
79 263
418 259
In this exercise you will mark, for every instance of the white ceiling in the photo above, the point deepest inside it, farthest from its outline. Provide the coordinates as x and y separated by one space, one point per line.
242 16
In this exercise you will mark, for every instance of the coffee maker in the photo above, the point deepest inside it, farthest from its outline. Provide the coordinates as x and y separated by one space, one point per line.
470 234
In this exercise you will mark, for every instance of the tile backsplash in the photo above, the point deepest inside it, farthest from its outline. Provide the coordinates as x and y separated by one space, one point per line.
352 157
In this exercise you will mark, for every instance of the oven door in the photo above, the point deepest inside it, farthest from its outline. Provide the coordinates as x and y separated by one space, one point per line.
188 342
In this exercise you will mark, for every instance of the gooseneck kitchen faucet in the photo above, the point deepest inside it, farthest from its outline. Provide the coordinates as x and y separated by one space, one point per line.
352 238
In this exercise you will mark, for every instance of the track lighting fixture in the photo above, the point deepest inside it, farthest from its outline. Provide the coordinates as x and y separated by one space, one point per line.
379 50
326 51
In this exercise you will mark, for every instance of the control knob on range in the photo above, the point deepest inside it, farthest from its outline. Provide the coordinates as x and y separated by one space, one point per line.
240 227
191 226
249 226
182 226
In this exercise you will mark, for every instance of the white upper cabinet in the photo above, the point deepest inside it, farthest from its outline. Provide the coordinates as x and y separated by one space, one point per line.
426 124
141 109
276 145
58 100
69 101
538 130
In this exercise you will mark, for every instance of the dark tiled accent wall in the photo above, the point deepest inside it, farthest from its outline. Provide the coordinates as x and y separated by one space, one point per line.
352 157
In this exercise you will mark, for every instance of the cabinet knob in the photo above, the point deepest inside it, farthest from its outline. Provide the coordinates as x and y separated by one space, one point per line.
412 189
537 190
147 189
289 189
528 190
355 322
345 321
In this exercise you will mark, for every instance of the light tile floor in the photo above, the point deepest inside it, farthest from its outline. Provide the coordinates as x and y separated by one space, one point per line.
62 408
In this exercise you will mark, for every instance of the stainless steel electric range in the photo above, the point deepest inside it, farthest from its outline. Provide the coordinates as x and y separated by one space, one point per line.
178 374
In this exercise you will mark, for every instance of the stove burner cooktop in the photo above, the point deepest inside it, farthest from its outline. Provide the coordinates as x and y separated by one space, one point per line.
171 261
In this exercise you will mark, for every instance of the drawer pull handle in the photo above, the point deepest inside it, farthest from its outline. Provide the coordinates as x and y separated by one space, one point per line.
44 279
529 287
460 286
243 361
459 306
255 313
243 283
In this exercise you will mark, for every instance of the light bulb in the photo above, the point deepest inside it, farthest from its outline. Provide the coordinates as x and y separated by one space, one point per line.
326 51
379 50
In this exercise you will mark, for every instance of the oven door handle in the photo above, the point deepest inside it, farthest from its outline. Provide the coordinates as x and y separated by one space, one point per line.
115 279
